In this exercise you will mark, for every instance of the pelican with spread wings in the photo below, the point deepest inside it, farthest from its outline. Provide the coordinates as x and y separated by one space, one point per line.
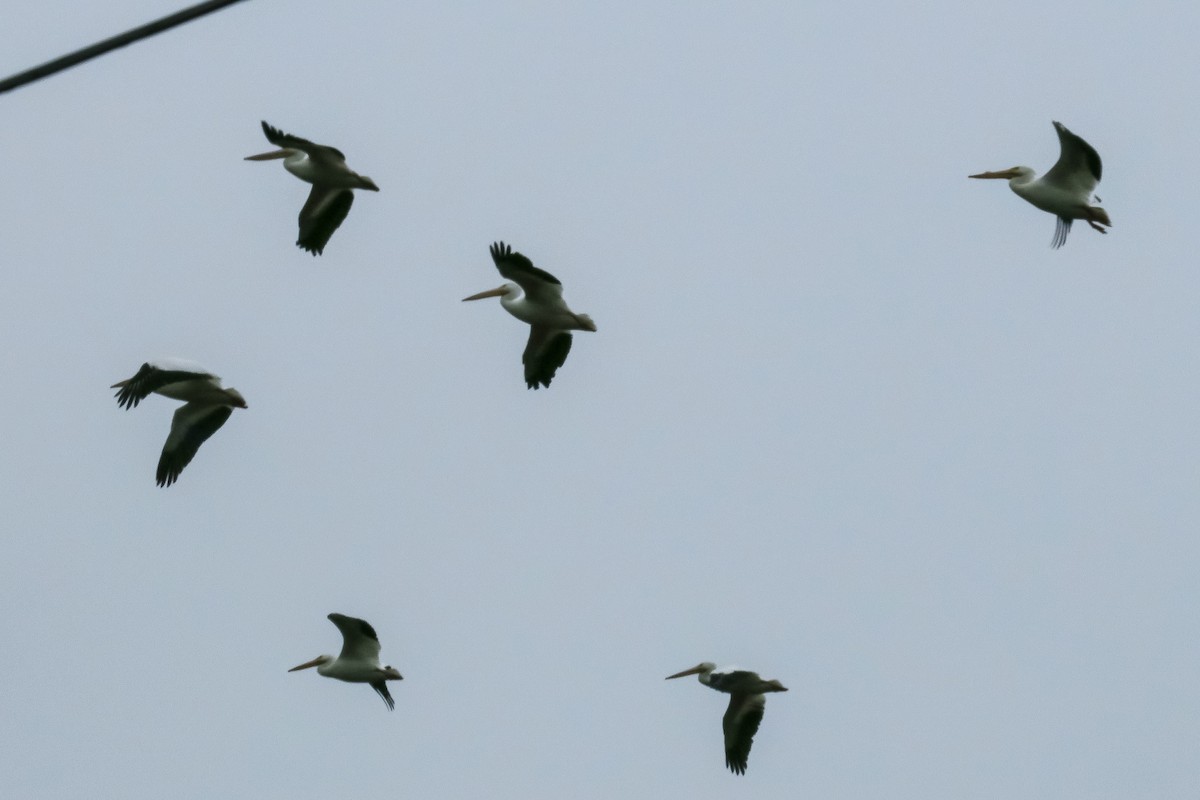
746 705
325 168
207 405
534 296
359 660
1066 190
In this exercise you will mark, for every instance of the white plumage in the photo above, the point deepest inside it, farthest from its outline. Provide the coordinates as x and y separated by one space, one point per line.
325 168
535 296
1066 189
359 660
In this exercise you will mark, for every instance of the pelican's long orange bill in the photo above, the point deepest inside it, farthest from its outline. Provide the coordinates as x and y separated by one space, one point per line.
1004 174
685 673
497 292
269 156
316 662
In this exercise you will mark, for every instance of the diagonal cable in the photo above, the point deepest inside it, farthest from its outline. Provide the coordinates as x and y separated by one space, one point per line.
120 40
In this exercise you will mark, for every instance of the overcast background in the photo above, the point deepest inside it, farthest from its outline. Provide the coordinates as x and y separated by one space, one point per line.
847 420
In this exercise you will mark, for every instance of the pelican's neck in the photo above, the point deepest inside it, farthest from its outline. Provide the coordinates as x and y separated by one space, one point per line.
515 303
1024 177
299 164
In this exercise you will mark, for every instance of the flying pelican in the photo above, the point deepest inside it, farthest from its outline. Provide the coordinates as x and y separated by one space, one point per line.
542 307
746 704
325 168
1066 190
359 660
207 405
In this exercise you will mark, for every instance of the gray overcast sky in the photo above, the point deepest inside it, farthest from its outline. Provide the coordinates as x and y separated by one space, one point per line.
847 420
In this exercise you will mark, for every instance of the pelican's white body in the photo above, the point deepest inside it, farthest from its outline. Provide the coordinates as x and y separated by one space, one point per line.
331 173
359 660
1065 190
1062 200
350 670
550 310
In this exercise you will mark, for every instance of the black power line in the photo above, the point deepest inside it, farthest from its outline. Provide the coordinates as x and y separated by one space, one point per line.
100 48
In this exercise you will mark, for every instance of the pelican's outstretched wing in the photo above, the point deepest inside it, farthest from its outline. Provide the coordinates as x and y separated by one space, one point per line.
359 641
1062 226
545 352
381 689
281 139
1078 167
740 723
323 213
190 427
153 376
537 283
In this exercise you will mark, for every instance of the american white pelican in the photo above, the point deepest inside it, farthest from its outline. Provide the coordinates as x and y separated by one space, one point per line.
207 405
542 306
1066 190
359 660
746 704
325 168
